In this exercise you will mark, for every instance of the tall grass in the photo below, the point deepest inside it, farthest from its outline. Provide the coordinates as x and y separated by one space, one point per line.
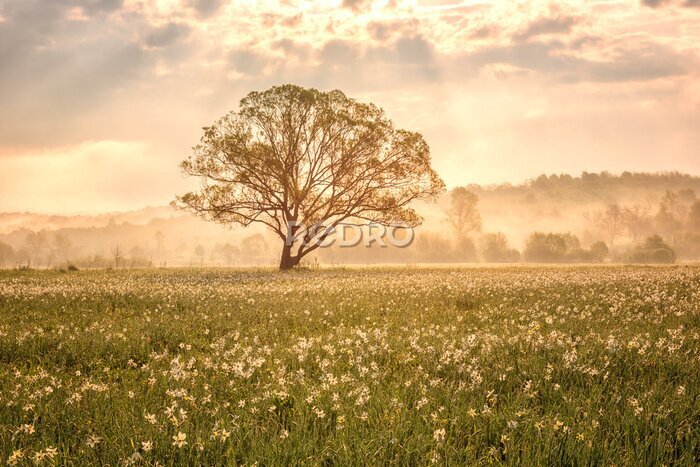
574 366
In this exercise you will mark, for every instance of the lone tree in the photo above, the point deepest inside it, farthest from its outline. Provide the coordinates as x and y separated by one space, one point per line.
463 213
301 162
612 221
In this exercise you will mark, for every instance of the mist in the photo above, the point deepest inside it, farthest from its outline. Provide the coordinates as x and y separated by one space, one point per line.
593 217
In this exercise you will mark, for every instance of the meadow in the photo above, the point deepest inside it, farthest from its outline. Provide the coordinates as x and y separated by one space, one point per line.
556 365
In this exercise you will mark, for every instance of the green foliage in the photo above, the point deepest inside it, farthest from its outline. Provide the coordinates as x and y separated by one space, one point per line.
562 248
550 247
474 366
653 250
599 250
296 159
495 249
463 214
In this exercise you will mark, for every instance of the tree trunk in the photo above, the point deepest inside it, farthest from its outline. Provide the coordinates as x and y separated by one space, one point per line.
288 261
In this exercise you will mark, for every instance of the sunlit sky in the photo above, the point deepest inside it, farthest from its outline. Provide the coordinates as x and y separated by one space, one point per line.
100 99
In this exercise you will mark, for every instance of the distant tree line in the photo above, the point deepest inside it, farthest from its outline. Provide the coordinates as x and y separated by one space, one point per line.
654 226
675 221
603 185
48 250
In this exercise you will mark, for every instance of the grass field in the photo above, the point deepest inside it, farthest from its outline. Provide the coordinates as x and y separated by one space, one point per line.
557 365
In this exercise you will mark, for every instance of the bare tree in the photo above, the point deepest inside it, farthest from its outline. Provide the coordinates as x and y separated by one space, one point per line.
62 245
612 222
117 255
463 213
671 213
637 220
302 162
36 241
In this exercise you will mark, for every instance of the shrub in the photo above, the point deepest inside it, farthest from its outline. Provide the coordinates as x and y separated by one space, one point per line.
599 250
562 248
653 250
495 249
550 247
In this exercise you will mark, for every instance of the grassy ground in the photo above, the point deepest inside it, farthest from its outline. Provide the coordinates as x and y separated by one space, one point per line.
581 365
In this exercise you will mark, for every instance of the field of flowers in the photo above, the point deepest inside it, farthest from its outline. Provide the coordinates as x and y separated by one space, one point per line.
558 365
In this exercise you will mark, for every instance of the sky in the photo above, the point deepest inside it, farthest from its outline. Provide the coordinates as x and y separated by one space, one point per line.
101 99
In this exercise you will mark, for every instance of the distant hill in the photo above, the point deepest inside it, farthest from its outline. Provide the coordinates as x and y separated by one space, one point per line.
10 221
561 202
591 188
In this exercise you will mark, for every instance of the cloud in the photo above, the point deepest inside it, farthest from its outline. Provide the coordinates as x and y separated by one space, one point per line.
552 59
648 62
356 5
408 50
659 3
56 71
414 50
206 8
537 56
485 32
99 6
292 21
79 84
386 30
292 48
154 72
270 20
399 64
339 52
541 26
378 30
248 61
167 35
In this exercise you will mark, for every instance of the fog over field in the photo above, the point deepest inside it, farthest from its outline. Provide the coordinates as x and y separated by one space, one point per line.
665 204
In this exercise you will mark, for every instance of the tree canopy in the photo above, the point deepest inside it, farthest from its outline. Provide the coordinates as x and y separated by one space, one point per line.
302 161
463 214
